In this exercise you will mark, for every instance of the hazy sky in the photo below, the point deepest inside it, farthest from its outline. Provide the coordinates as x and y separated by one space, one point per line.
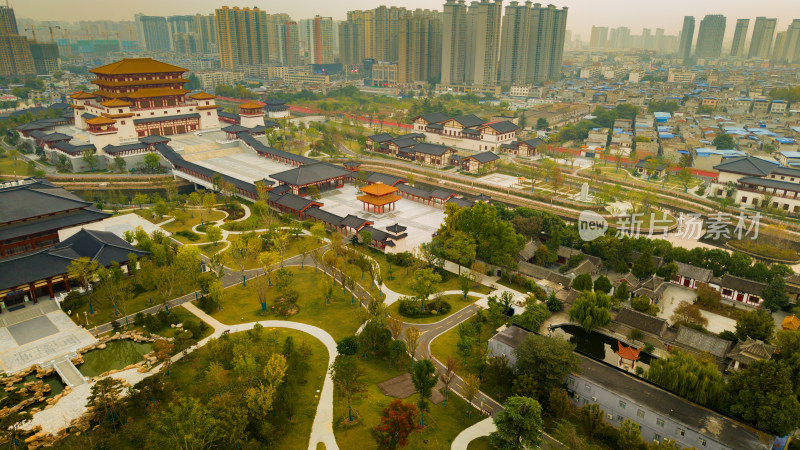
635 14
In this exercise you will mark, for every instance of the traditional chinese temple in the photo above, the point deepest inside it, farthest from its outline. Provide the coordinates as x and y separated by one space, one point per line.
378 196
139 97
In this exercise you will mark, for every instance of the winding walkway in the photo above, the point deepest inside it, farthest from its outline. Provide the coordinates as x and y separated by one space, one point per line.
482 428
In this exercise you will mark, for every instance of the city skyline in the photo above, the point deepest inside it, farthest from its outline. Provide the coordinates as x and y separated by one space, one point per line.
583 13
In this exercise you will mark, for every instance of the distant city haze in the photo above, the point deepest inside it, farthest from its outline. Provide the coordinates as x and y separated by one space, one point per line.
635 14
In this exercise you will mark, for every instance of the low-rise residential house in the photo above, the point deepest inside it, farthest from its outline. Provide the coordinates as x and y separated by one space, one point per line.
659 414
700 342
652 288
739 289
744 353
689 275
650 167
522 148
475 163
506 341
646 323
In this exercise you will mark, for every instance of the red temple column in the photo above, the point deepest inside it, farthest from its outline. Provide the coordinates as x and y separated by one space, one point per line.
32 288
50 288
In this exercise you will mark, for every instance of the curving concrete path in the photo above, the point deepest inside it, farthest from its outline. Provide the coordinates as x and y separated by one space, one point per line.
322 428
482 428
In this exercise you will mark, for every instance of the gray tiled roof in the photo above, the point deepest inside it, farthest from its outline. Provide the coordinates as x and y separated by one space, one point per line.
703 342
310 173
747 165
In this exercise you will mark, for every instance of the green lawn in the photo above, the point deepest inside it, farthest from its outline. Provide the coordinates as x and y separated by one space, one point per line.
481 443
456 301
296 433
402 283
175 226
104 312
445 346
341 318
210 249
292 250
442 422
7 166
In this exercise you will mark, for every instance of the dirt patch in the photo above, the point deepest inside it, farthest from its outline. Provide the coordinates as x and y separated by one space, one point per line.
402 387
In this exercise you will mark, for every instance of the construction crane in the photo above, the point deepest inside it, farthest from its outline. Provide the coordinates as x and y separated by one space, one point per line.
32 29
53 39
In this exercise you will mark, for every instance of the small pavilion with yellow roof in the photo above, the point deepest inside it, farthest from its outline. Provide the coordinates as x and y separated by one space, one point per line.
790 322
378 196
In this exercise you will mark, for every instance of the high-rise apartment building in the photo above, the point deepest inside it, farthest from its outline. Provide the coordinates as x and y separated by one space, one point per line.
385 33
351 42
787 44
179 25
739 36
598 38
709 38
321 41
454 41
274 22
205 30
687 35
483 42
153 33
15 51
419 47
289 43
532 45
241 37
763 33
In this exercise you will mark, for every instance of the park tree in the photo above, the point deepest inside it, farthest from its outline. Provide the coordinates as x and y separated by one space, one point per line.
424 378
697 379
756 324
348 345
459 247
764 394
104 401
591 420
239 252
84 271
708 297
424 283
582 282
214 234
622 293
549 360
448 374
643 267
471 386
724 141
90 158
347 376
151 161
541 123
689 314
685 177
185 424
120 164
411 338
602 284
591 310
774 295
629 435
496 241
398 421
519 425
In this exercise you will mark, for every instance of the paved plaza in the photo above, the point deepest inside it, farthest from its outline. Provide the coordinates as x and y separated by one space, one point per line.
116 224
501 180
422 220
674 295
38 334
246 165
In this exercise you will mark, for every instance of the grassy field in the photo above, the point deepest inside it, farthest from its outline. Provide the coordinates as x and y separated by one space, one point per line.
104 312
443 422
174 226
402 283
481 443
7 166
456 301
341 318
292 250
296 433
445 346
168 332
